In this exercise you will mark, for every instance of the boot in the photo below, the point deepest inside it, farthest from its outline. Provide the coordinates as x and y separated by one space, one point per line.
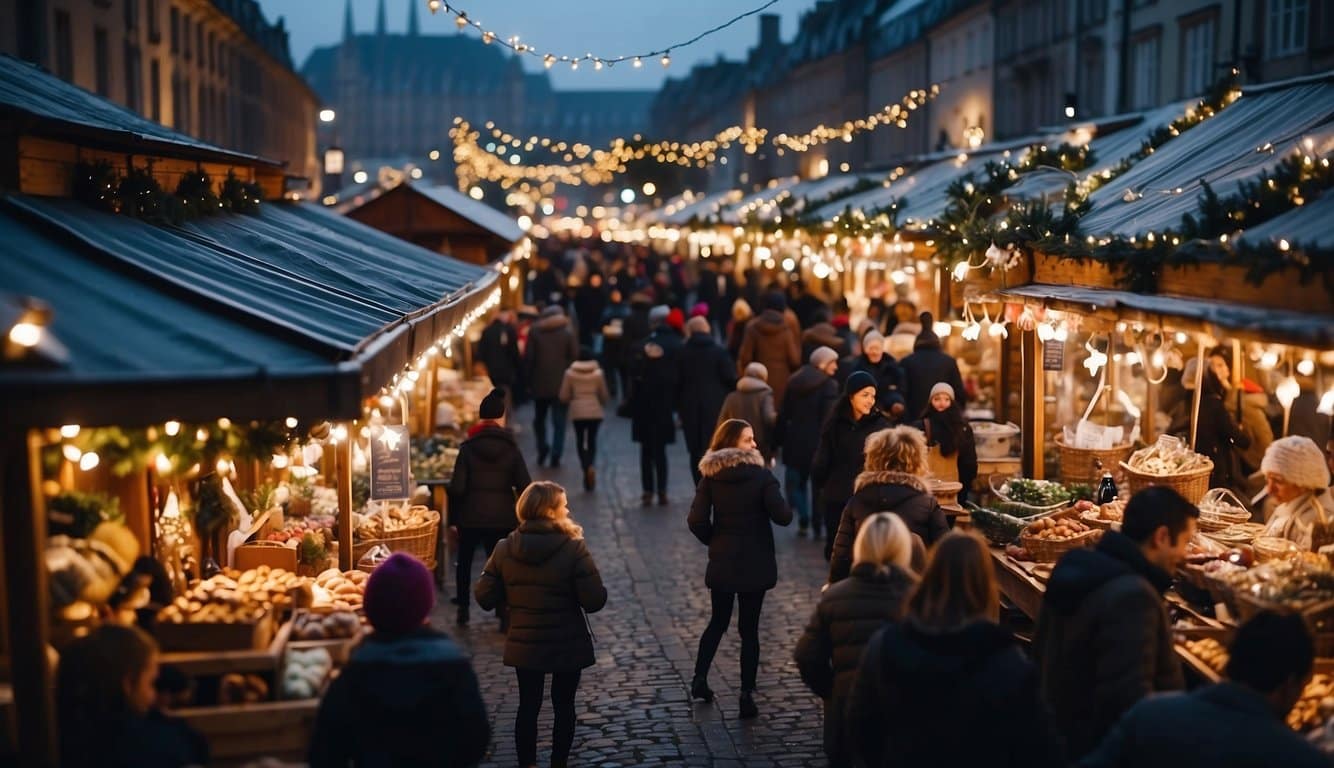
662 499
699 688
462 619
590 478
541 455
748 708
646 498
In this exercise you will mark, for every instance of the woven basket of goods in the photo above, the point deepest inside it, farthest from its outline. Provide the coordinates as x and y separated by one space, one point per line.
412 529
1049 538
1221 508
1169 462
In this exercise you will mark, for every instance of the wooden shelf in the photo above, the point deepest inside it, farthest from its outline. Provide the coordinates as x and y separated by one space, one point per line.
203 663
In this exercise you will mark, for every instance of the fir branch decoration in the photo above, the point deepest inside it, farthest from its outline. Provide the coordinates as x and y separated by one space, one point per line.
195 191
240 196
97 185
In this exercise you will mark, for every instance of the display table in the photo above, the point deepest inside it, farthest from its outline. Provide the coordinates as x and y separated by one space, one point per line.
1008 466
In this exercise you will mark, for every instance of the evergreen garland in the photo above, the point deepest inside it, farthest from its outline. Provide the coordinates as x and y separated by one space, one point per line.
195 191
138 194
240 196
95 185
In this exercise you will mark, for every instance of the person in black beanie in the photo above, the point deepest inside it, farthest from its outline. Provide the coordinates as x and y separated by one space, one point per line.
489 475
842 450
927 365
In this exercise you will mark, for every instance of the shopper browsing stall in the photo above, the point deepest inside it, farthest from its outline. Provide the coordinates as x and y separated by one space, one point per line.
949 436
1297 478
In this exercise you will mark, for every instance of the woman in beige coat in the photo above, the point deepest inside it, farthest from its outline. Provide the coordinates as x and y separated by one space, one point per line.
584 390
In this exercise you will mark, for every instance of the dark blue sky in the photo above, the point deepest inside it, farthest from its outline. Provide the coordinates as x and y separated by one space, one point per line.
602 27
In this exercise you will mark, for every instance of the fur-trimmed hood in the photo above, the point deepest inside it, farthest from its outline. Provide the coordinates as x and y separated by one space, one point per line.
553 321
715 462
752 384
886 477
585 368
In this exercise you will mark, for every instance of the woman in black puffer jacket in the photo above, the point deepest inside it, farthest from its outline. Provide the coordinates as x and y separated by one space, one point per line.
840 455
848 614
736 500
891 482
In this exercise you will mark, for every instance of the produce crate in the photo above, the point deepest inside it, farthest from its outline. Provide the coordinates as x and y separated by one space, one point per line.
198 637
255 660
240 733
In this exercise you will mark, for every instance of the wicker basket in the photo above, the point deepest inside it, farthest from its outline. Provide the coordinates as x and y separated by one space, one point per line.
1091 519
1080 465
420 542
1049 551
1192 485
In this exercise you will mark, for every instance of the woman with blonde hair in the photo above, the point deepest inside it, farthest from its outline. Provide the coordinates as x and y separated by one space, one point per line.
891 481
949 655
735 502
544 573
848 614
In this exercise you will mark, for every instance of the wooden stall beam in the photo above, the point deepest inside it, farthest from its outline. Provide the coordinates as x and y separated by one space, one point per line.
342 452
1033 409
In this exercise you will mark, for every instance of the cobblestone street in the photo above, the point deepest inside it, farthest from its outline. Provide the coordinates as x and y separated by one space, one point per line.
633 704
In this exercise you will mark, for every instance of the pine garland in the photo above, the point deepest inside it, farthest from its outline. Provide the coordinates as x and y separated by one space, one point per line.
139 194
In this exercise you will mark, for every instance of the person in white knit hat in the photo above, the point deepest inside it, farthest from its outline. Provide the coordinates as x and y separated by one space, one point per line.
1297 478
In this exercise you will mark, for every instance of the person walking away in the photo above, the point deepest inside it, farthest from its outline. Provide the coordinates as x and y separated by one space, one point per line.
551 349
840 454
773 341
1297 478
584 392
489 474
704 377
927 365
402 682
105 705
590 300
498 350
828 652
753 403
735 503
890 482
545 574
822 334
807 402
1217 435
949 435
948 655
1103 638
806 306
614 342
736 329
888 375
653 425
1238 722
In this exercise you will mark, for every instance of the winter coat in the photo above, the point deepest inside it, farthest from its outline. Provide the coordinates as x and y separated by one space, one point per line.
1216 434
653 373
830 649
637 326
770 339
1224 724
923 369
965 452
753 403
614 344
1295 520
498 350
549 581
842 451
1249 410
903 494
489 475
704 377
735 502
964 697
406 700
551 349
822 335
1103 639
584 389
887 374
810 397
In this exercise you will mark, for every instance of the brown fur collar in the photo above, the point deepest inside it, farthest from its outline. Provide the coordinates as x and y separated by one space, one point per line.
724 458
885 477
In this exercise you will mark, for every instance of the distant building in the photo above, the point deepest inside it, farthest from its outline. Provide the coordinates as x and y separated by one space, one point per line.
214 69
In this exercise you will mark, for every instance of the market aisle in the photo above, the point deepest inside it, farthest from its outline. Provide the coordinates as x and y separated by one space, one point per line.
633 703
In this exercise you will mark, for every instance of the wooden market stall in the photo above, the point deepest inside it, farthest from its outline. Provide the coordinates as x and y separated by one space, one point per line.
441 219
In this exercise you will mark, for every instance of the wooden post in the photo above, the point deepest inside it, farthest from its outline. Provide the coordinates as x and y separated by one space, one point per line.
27 602
1199 385
343 482
1034 405
1147 428
432 392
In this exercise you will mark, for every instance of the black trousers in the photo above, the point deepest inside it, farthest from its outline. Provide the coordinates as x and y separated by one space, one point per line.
749 626
542 406
469 538
586 440
564 685
833 512
653 466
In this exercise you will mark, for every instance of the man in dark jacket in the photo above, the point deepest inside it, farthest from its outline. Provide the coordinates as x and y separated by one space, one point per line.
614 342
498 350
1239 722
1103 639
489 474
717 288
704 377
551 349
408 695
810 396
653 425
926 366
634 329
590 299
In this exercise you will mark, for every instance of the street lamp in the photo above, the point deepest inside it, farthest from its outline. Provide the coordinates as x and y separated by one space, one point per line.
327 115
333 161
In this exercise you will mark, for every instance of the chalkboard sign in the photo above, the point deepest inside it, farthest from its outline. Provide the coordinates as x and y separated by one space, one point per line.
1053 355
391 463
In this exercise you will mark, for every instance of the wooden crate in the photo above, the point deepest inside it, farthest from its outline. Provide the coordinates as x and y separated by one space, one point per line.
1215 281
257 660
1054 270
199 637
238 733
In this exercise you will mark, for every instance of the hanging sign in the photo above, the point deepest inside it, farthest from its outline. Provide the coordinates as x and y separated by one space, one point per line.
391 463
1053 355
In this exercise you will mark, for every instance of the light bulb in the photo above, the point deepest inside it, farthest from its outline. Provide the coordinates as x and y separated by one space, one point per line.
162 464
1306 366
71 452
666 61
69 431
339 433
638 62
280 461
88 461
25 334
998 331
1326 406
942 328
172 428
1046 333
291 422
961 271
1269 359
1287 392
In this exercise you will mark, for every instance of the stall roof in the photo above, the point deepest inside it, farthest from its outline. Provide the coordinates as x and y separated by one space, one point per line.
1255 133
1268 324
65 110
704 207
1311 226
815 190
760 201
477 212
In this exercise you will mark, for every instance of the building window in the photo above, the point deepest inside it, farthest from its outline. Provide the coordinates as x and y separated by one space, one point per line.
1144 59
185 37
131 15
199 43
155 90
134 78
1095 11
175 30
1091 78
102 61
64 47
1197 46
1286 23
154 26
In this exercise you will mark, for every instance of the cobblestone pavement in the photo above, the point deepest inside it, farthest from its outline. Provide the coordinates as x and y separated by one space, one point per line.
633 705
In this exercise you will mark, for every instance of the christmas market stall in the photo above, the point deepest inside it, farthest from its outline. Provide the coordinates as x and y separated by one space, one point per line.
196 371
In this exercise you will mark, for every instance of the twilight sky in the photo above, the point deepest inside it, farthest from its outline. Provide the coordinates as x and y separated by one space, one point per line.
601 27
